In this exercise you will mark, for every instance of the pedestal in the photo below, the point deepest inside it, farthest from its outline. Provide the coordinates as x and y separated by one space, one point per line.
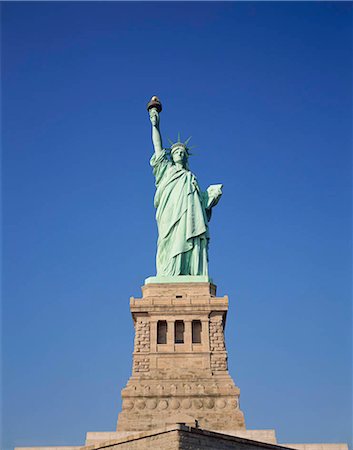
180 395
180 371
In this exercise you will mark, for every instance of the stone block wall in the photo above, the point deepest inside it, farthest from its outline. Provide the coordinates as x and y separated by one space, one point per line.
163 441
141 360
182 437
217 344
142 335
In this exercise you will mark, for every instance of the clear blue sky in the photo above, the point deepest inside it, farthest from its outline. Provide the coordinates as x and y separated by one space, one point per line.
265 91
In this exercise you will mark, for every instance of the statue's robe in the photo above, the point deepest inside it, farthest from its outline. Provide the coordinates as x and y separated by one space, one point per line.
182 220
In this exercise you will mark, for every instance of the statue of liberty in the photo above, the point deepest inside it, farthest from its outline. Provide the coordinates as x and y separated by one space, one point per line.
183 210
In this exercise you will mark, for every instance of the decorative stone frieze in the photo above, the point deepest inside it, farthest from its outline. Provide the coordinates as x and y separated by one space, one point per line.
205 403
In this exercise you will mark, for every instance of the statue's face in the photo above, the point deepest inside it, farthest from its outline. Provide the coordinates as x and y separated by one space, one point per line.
179 155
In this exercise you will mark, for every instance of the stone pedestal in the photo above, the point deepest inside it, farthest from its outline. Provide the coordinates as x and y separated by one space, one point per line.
180 371
180 395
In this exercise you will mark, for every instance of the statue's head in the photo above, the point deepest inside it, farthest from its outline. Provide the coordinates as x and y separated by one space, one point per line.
180 152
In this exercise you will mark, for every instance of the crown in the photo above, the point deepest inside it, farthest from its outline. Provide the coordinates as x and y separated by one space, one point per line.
179 143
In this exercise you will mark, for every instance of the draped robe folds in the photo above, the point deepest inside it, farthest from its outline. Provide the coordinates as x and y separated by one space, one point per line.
182 220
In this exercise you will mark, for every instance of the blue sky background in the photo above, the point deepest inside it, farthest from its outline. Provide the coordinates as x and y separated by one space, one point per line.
265 91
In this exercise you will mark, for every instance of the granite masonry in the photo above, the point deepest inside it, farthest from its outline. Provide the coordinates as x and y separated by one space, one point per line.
180 394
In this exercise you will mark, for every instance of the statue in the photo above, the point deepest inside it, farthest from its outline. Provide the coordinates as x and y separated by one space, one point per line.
183 210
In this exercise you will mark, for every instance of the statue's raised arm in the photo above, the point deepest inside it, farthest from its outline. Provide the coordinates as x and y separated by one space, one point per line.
183 210
154 108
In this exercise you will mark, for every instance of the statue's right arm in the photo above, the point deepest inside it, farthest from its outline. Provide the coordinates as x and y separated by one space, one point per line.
156 135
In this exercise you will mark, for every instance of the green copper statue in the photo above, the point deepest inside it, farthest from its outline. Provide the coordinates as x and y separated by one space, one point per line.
183 210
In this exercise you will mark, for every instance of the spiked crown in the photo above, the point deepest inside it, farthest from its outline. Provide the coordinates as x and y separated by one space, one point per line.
179 143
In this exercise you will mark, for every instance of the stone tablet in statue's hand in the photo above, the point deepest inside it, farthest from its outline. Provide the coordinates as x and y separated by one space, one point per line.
214 193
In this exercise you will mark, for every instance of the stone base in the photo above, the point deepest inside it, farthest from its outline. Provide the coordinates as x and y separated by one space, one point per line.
182 380
149 404
180 395
179 279
266 436
182 437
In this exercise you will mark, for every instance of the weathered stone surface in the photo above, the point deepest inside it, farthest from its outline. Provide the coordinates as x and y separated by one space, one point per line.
185 379
50 448
267 436
340 446
187 290
182 437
